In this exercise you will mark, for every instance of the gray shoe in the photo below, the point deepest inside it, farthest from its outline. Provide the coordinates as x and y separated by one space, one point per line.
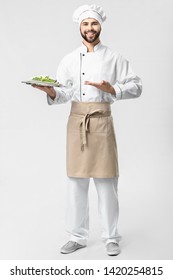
113 249
71 247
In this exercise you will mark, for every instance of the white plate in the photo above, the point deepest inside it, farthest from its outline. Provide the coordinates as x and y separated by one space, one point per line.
39 83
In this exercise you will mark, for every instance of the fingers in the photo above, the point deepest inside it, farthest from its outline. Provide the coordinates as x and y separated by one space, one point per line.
43 88
103 85
89 83
95 84
39 87
92 84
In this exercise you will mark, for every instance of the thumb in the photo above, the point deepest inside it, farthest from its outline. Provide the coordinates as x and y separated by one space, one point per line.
86 82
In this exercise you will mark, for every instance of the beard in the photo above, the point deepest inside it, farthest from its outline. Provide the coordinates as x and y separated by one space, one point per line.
90 39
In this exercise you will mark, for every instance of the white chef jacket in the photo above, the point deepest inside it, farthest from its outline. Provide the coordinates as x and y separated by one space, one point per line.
101 64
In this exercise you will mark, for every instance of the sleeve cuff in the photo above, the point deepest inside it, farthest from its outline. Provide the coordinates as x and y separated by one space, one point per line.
118 92
53 101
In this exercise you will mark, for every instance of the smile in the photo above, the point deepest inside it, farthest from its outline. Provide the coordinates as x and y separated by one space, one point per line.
91 32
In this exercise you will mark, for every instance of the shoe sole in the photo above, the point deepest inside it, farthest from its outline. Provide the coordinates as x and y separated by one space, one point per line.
114 253
69 252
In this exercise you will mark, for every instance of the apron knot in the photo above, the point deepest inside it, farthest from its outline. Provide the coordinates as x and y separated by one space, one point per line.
84 126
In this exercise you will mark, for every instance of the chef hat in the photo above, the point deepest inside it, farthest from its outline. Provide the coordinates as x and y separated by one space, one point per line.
89 11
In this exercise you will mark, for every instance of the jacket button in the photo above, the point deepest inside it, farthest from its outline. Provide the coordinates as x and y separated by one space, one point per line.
83 93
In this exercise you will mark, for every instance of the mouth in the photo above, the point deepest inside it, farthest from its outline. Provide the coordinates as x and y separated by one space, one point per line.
91 33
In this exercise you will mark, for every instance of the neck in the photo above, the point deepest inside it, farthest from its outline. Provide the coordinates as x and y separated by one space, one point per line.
90 46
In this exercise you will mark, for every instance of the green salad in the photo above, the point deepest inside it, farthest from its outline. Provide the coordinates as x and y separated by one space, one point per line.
44 79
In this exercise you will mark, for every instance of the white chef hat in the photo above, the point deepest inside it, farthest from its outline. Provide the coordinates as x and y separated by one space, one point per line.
89 11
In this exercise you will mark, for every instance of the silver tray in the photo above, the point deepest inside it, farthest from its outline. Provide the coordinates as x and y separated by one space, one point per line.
40 83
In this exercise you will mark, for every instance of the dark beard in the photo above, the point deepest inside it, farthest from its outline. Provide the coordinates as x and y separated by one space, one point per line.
97 34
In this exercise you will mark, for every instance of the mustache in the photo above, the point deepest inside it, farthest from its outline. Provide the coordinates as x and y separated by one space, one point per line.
93 31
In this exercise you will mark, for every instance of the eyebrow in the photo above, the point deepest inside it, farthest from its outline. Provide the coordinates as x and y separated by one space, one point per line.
86 22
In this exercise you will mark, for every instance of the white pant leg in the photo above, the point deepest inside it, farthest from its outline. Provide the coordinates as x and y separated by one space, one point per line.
77 210
108 207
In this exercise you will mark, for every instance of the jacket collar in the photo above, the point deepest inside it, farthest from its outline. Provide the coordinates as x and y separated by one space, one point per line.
96 47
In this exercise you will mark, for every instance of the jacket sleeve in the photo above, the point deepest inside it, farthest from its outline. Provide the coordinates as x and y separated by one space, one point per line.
65 92
127 85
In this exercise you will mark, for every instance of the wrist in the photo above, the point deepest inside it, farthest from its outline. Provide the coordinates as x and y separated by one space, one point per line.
112 91
52 93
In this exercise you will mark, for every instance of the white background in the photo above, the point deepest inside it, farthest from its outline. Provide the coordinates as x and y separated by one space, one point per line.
35 35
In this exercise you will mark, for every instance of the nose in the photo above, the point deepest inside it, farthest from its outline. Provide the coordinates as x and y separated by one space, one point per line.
90 26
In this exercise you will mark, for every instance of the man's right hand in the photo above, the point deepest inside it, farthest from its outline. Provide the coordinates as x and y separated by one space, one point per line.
49 90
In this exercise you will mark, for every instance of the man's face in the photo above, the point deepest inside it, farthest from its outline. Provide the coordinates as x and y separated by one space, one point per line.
90 29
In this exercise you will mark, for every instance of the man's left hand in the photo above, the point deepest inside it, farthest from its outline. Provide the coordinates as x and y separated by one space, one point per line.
103 85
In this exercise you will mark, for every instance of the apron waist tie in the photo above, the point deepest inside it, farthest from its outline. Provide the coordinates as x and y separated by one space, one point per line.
84 124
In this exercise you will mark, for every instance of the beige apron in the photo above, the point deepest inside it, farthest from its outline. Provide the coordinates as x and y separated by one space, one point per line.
91 143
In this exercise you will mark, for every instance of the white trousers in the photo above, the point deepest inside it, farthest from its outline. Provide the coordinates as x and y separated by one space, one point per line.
77 211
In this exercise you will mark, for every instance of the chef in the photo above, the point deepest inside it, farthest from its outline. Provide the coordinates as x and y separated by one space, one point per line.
92 78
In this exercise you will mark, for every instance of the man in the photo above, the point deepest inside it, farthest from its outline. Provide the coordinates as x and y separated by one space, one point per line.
92 77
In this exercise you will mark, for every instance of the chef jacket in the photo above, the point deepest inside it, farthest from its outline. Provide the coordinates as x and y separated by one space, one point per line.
101 64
